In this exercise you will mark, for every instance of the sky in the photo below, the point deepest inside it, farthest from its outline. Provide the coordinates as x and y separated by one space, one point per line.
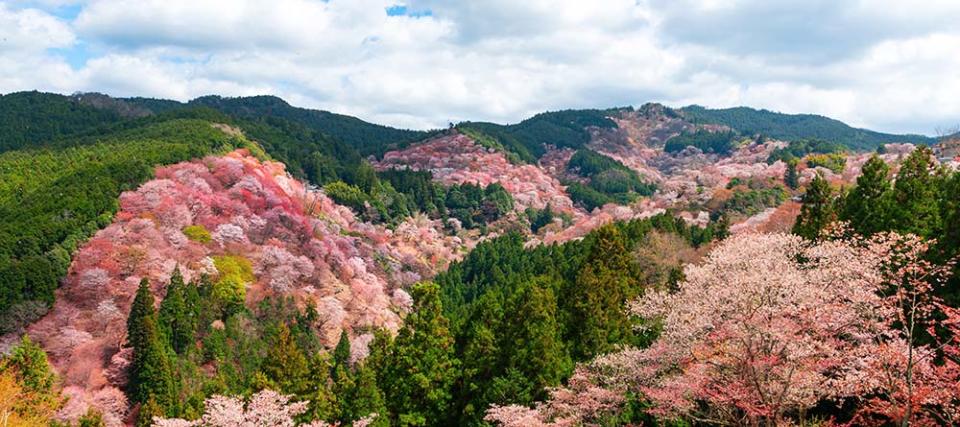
888 65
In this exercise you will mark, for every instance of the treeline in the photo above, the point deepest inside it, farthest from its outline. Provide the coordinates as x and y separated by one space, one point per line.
51 200
392 195
721 143
498 327
527 140
29 117
924 200
790 127
521 317
607 181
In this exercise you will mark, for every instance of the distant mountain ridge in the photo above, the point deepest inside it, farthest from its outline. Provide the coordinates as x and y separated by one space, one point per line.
790 127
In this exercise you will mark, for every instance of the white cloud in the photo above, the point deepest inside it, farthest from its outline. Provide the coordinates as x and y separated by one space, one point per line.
503 60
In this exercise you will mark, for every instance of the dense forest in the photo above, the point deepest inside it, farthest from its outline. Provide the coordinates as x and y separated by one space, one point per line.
852 319
527 139
789 127
607 181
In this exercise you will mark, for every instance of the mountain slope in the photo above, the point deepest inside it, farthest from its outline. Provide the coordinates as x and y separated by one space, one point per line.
52 199
791 127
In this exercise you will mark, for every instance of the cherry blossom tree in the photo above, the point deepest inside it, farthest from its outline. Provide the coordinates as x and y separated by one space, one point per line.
768 326
266 408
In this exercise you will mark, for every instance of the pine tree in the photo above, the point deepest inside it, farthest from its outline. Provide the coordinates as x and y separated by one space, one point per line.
790 177
916 195
422 368
817 210
536 349
598 296
365 398
285 365
152 369
31 367
148 410
323 403
175 318
867 206
341 353
141 309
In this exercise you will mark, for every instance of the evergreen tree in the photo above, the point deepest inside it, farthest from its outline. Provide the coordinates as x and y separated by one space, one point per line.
867 206
323 403
366 398
536 349
148 410
597 298
790 177
341 353
152 371
141 309
421 369
817 210
916 195
175 318
285 365
31 367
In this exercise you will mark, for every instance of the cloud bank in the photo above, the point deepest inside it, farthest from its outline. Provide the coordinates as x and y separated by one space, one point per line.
882 64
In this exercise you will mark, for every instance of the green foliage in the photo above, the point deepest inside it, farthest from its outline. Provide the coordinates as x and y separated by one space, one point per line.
177 322
527 139
366 138
197 233
868 206
235 273
421 369
835 162
92 418
30 366
791 178
286 366
53 199
799 149
151 373
916 195
751 201
817 211
608 180
708 142
34 116
597 298
791 127
522 316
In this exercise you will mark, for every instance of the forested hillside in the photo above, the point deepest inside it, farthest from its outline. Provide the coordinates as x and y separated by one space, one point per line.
53 199
749 121
224 260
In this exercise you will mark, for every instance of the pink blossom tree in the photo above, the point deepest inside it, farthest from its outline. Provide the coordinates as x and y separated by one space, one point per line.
768 326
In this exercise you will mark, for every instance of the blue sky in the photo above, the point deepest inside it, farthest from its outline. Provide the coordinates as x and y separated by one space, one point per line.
882 64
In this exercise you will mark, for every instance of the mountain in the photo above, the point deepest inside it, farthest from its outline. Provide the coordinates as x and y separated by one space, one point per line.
161 253
789 127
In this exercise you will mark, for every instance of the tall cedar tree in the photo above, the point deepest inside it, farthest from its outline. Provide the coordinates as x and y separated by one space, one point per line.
323 404
916 195
152 376
817 210
366 398
421 369
791 178
867 207
286 366
537 350
598 296
175 318
141 309
341 353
